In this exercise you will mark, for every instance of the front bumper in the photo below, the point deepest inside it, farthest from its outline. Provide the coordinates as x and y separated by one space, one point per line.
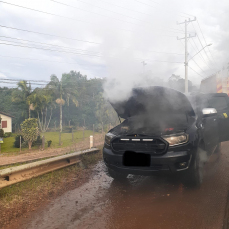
168 162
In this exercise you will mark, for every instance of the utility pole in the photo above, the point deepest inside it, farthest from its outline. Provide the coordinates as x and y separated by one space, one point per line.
187 36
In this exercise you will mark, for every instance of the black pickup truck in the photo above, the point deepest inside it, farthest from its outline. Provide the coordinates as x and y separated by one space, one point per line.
166 131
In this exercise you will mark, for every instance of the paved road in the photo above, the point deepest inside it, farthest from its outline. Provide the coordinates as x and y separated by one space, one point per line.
144 202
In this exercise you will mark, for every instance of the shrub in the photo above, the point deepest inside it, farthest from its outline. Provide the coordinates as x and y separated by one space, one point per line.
24 143
49 143
1 133
67 129
8 134
98 127
38 142
29 130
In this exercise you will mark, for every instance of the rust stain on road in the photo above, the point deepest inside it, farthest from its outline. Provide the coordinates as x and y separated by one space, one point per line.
142 202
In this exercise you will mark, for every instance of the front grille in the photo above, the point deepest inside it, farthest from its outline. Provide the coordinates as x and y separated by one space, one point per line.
136 144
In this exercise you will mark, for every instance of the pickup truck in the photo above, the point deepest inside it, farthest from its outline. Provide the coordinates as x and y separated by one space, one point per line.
165 131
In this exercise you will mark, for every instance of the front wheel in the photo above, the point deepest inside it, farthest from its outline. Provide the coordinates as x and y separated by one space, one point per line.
194 175
218 150
115 175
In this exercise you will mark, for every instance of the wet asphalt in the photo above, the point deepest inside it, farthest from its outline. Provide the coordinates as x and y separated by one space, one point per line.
141 202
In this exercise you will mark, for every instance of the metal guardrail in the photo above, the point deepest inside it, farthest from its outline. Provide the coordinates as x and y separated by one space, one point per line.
20 173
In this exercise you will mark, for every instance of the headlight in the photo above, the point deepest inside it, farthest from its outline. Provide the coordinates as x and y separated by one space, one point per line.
174 140
108 138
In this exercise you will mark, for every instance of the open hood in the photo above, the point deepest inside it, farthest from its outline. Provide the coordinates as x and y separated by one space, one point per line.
154 101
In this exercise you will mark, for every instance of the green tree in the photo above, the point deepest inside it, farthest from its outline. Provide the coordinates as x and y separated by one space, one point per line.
42 103
20 96
30 131
64 91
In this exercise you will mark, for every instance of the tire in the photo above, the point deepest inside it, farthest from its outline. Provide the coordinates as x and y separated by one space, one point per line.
116 175
218 149
194 176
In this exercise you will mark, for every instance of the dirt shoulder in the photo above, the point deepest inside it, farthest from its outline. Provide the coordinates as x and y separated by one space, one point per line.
19 201
49 152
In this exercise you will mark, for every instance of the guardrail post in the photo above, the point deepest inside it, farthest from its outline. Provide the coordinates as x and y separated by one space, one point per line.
91 141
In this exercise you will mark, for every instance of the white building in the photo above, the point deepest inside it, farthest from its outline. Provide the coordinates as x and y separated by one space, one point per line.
6 123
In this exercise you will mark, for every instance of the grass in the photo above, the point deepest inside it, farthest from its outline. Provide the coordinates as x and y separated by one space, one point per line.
18 199
50 180
66 139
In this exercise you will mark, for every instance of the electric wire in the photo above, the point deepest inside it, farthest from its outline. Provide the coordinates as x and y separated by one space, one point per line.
200 42
29 31
204 39
68 47
91 65
163 7
58 2
69 18
24 46
195 71
42 43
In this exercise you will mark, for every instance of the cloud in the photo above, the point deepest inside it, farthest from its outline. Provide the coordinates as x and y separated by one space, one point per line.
127 36
2 76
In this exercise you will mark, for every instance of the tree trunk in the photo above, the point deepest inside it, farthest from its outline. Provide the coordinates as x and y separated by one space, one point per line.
39 121
29 112
60 117
45 118
61 106
30 145
50 120
42 120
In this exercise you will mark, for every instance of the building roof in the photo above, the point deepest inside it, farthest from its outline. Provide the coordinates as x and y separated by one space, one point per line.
6 114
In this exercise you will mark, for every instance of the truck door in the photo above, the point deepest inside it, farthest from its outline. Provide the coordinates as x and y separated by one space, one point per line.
220 102
209 125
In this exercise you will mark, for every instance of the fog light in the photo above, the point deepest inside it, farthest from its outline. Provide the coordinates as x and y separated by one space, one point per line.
183 165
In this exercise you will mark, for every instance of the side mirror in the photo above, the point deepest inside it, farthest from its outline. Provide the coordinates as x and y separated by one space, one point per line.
209 112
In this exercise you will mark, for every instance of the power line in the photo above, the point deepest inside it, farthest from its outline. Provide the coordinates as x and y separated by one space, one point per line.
29 31
59 46
198 65
106 10
123 7
163 7
197 50
193 47
201 43
205 39
195 71
39 60
24 46
74 19
74 48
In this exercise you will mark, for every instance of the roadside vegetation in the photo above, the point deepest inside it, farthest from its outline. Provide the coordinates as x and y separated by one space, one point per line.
25 197
66 138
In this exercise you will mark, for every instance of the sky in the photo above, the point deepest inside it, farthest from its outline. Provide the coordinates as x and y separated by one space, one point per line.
111 38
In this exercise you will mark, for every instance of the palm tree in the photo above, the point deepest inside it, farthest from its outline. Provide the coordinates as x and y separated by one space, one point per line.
62 90
22 93
41 100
